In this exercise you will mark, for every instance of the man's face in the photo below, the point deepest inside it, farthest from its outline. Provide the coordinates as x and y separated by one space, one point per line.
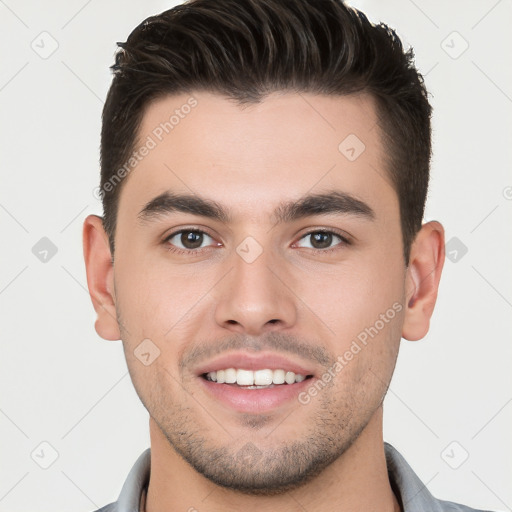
296 291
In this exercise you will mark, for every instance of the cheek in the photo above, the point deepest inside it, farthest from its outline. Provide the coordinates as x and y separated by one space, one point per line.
367 358
154 298
157 384
363 306
354 297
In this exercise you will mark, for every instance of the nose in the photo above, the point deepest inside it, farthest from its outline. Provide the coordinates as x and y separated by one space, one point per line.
255 297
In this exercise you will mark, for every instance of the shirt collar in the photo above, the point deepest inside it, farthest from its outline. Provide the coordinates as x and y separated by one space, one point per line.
410 491
138 478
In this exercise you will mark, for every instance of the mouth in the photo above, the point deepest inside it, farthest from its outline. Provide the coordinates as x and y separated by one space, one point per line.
250 388
255 379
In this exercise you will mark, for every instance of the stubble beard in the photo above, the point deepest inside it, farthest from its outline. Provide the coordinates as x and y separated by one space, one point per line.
251 469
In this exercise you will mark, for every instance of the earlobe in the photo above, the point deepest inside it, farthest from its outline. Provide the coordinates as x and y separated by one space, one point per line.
422 279
100 277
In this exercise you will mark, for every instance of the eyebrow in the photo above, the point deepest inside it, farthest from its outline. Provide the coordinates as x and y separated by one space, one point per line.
331 202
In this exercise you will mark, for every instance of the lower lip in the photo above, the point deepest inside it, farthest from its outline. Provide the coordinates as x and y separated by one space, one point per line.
255 400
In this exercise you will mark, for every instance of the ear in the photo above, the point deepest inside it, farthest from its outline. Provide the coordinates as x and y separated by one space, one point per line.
422 279
100 277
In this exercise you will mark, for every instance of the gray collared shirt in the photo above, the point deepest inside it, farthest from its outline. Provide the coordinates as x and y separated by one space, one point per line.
412 494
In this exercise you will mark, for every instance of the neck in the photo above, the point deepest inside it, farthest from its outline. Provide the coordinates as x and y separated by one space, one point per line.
356 481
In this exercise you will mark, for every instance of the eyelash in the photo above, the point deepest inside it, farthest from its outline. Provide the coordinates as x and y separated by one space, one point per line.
192 252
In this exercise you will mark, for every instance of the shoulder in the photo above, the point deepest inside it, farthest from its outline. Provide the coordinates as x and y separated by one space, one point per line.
133 488
449 506
411 491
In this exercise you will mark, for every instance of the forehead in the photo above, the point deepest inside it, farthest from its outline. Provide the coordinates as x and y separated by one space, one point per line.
253 157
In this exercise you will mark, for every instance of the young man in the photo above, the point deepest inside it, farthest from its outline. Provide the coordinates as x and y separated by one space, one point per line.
265 166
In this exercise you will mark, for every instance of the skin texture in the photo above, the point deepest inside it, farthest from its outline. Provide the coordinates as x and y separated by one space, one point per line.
304 304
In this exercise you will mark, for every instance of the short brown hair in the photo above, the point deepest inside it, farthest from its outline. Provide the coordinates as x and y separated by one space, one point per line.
246 49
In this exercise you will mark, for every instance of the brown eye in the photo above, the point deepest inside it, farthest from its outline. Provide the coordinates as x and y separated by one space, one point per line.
189 239
322 240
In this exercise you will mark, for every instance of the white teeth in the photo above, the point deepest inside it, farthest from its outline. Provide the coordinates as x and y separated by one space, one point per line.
255 378
289 377
244 377
230 376
263 377
278 377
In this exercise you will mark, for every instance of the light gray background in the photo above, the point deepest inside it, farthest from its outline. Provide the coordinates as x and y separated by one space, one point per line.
63 385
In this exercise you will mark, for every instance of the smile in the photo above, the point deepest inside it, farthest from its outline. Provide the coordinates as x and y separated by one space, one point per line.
254 391
254 379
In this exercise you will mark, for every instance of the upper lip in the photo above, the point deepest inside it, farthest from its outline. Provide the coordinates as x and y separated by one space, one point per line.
246 361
